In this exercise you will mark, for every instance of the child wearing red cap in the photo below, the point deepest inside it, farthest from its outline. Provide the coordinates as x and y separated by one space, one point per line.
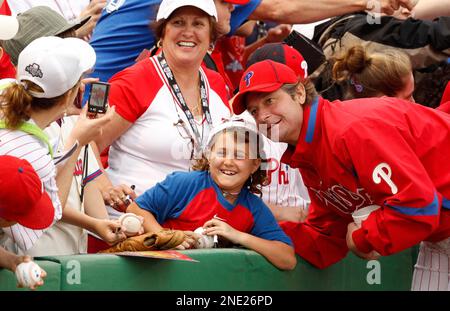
33 208
351 154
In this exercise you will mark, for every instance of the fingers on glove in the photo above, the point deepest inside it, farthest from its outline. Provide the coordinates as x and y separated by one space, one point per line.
172 238
184 245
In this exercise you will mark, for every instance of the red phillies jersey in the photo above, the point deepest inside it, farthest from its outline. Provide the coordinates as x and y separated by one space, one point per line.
382 151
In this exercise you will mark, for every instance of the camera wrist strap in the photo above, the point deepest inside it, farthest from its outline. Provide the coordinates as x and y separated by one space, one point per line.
85 172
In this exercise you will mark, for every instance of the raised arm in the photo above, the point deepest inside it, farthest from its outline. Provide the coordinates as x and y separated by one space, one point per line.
306 11
430 9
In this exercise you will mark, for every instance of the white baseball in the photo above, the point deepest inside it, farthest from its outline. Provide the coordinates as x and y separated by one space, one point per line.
131 222
28 274
205 241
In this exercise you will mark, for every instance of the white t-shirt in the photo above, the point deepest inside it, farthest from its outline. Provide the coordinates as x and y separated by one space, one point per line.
70 9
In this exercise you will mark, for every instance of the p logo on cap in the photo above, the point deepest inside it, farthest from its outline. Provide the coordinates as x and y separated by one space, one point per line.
263 77
247 78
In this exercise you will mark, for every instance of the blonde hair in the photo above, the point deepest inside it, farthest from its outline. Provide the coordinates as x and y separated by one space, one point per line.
17 102
256 180
372 74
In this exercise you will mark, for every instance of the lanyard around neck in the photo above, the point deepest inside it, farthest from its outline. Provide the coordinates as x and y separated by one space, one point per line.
32 129
178 97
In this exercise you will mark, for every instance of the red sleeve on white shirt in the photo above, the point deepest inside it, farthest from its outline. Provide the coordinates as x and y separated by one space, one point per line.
133 90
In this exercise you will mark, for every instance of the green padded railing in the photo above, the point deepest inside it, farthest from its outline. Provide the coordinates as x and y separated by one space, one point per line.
8 280
218 270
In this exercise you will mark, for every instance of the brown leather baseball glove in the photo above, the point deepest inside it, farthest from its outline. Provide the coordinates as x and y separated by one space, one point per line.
165 239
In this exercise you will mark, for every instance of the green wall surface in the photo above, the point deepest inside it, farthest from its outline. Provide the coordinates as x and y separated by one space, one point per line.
8 281
218 270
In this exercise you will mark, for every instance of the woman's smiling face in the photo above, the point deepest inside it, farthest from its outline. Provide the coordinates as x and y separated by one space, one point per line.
187 35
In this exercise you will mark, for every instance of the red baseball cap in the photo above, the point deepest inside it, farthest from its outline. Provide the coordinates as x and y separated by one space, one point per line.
22 195
266 76
282 53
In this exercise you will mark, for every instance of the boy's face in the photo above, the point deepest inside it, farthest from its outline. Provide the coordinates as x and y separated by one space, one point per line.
279 112
232 161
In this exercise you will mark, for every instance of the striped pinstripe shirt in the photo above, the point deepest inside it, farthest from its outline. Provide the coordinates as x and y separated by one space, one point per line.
26 146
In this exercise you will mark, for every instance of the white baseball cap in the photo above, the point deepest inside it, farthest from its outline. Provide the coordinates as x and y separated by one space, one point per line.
168 6
237 123
55 64
8 27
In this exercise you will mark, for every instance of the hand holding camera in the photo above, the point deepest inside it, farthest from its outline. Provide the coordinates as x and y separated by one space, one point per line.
98 97
87 129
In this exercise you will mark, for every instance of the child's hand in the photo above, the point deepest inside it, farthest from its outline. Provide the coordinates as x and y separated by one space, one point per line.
115 196
190 238
221 228
26 258
110 231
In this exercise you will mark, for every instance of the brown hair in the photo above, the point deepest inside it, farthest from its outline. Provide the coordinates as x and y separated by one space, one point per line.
372 74
310 90
16 102
159 27
258 179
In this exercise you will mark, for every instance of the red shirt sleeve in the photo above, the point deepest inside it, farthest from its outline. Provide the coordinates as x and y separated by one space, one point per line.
390 170
321 239
445 107
217 83
133 90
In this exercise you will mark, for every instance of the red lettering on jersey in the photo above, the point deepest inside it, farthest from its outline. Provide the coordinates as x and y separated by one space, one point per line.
343 199
283 177
272 166
275 166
